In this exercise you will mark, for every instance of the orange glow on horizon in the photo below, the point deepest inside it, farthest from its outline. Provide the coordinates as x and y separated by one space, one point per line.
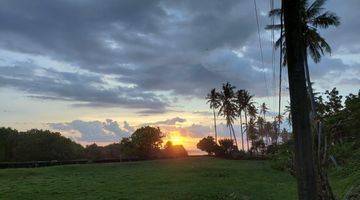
176 138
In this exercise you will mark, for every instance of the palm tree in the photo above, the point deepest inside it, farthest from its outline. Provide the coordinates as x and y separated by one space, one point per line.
252 114
247 103
268 128
314 17
239 101
261 128
214 101
288 112
252 131
228 107
263 110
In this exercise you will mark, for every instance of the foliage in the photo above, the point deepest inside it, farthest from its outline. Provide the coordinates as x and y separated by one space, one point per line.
174 151
281 157
95 152
313 18
226 147
147 141
41 145
36 145
207 144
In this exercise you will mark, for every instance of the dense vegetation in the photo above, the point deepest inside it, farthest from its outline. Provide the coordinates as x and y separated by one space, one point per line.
338 154
255 131
40 145
36 145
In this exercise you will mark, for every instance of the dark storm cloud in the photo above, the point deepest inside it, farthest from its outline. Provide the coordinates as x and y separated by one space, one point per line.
86 89
181 47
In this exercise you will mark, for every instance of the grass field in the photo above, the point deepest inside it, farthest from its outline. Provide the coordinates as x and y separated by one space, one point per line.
188 179
191 178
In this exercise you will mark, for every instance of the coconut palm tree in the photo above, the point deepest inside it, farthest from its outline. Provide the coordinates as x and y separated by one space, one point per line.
268 128
263 110
253 133
261 128
228 107
214 101
247 103
240 106
314 17
288 112
252 114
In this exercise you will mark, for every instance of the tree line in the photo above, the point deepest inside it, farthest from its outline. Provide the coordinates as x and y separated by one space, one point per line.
238 105
44 145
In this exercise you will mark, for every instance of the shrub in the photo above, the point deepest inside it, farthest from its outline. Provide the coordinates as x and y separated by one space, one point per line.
208 145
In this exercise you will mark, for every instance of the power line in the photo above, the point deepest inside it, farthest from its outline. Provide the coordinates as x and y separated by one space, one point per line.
260 45
272 22
281 57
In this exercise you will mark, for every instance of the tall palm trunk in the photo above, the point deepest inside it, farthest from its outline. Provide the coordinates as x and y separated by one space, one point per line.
246 127
242 133
235 140
230 132
295 43
266 135
323 181
215 126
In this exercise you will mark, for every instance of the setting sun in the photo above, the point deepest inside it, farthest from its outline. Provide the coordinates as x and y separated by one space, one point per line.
176 138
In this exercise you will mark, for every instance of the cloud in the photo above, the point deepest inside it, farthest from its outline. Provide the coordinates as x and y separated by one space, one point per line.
156 46
85 89
169 122
180 48
92 131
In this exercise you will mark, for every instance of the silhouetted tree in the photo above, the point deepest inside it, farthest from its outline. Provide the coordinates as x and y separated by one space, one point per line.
228 107
247 104
240 95
207 144
214 101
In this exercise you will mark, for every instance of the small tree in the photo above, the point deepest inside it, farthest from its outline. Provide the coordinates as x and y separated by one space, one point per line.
144 143
207 144
226 147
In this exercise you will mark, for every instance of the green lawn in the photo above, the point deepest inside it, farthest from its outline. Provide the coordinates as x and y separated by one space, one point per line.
191 178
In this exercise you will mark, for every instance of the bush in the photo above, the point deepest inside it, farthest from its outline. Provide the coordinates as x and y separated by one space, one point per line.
208 145
173 151
281 157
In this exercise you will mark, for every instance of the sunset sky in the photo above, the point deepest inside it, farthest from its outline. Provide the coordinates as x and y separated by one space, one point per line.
97 70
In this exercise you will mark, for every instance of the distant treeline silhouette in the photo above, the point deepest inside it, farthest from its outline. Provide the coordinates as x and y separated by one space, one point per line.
44 145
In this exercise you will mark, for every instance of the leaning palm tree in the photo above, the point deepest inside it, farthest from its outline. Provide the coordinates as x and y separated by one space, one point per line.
228 107
214 101
240 94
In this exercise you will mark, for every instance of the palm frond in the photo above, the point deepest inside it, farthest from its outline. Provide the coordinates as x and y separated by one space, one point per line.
325 20
317 43
315 8
314 52
275 12
273 27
